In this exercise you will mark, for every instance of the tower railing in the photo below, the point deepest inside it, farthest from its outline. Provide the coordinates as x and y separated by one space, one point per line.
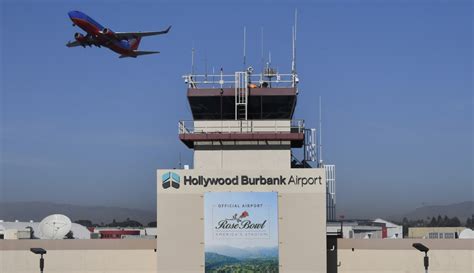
267 79
241 126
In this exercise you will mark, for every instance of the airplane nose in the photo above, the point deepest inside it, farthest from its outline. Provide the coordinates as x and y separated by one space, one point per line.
74 14
71 14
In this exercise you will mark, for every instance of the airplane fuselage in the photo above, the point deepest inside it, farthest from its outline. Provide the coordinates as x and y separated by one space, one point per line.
93 28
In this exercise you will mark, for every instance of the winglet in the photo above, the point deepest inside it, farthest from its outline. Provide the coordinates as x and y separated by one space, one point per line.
167 30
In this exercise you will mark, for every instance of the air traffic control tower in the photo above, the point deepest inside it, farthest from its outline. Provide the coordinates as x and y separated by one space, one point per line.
248 203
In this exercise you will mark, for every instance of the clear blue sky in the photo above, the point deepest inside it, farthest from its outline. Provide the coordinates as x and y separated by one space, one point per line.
84 127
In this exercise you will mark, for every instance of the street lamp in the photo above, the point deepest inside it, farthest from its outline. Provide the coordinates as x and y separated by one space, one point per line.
425 249
39 251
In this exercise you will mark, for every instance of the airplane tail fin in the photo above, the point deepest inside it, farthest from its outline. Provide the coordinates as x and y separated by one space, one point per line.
134 43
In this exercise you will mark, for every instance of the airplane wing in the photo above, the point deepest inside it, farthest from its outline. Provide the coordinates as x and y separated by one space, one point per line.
73 44
128 35
137 53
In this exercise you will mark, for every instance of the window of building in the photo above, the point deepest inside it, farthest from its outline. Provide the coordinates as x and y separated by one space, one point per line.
449 236
433 235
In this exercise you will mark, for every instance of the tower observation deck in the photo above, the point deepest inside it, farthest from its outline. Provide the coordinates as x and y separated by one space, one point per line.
245 109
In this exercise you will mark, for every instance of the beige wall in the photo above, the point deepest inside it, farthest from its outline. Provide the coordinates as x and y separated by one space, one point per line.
242 159
242 125
94 256
398 256
138 256
244 155
302 220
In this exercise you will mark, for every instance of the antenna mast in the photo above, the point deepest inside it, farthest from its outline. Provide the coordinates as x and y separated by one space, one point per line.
245 37
192 60
293 62
205 64
320 135
261 51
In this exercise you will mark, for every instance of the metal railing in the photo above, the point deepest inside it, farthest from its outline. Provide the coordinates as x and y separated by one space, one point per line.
240 126
263 80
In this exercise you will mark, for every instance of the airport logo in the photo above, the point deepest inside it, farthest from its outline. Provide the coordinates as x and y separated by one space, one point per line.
170 179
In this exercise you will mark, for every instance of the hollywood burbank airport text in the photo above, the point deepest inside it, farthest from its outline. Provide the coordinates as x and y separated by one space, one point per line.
246 180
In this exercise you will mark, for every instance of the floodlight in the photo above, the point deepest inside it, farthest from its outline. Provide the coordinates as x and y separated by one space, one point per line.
425 249
421 247
39 251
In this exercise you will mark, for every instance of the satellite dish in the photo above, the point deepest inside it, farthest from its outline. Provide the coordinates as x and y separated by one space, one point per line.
55 226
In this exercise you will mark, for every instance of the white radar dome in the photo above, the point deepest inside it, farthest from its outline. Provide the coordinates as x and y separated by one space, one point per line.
466 234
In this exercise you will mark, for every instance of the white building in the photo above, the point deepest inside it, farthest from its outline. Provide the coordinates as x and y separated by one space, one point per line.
27 230
394 231
377 229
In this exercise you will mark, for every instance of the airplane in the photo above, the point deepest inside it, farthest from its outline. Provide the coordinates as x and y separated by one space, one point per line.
123 43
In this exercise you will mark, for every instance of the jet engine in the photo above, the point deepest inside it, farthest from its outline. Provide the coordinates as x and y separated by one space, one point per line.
79 37
109 33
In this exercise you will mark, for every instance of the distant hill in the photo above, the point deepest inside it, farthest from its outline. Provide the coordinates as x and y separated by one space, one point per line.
245 253
214 260
25 211
461 210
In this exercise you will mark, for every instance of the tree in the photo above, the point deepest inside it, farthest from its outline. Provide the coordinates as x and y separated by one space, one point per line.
439 221
446 221
470 222
454 222
86 223
126 223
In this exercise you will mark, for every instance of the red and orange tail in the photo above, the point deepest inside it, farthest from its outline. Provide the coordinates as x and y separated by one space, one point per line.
134 43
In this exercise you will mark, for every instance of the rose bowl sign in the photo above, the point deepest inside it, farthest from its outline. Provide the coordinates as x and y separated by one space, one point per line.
243 227
240 224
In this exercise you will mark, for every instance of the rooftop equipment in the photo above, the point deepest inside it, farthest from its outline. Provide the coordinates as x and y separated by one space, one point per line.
55 226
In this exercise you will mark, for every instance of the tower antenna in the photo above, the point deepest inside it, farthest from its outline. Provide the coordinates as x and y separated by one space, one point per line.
245 38
205 65
192 60
293 62
261 50
320 135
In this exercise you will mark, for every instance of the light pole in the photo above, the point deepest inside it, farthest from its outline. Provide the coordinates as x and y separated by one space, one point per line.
425 249
39 251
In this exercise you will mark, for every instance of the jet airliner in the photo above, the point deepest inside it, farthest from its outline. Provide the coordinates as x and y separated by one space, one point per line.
123 43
